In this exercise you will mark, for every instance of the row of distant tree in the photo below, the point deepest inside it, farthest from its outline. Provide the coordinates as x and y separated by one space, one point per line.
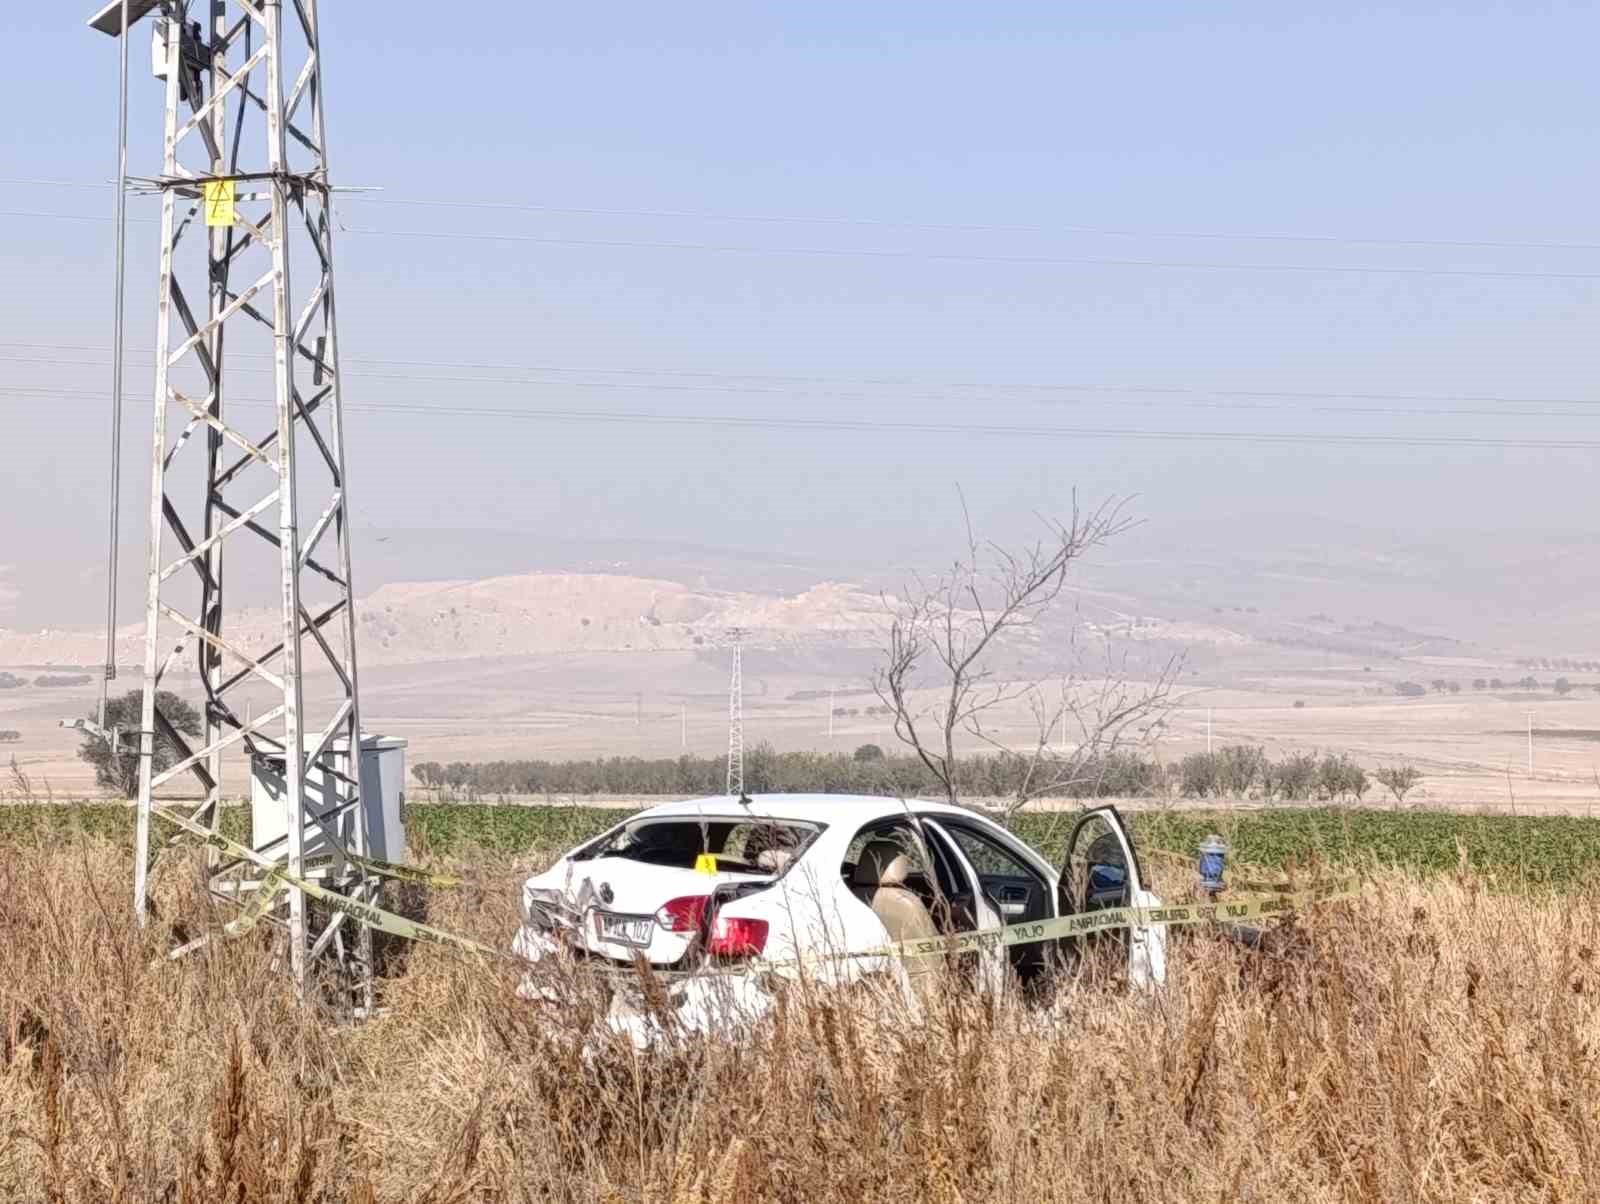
10 681
1415 689
1236 771
1560 662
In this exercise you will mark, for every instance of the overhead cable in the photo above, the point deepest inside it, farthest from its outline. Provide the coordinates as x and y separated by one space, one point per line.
875 382
903 224
919 256
774 422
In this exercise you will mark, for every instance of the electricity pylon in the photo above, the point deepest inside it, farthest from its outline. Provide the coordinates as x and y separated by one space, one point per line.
246 269
736 718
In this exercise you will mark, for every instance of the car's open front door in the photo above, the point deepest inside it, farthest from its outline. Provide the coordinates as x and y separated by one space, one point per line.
975 909
1102 871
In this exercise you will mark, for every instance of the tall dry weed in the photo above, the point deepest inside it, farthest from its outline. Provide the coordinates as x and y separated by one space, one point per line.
1434 1041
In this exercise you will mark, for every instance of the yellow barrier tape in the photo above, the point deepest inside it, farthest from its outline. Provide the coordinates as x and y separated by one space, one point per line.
366 913
402 873
266 898
1079 924
1082 923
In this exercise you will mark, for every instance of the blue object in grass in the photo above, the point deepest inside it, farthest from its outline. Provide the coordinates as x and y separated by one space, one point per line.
1213 860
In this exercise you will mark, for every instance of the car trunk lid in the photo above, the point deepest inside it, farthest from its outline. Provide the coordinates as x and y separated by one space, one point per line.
621 898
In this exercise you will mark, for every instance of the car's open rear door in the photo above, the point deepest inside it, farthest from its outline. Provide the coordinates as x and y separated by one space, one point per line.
1102 871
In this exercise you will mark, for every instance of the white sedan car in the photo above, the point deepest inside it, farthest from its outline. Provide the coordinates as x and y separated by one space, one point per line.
758 887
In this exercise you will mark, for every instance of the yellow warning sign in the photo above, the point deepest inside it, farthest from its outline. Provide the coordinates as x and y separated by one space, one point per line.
219 197
705 863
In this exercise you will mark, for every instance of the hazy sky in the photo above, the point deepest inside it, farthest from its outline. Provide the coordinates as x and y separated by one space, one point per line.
963 165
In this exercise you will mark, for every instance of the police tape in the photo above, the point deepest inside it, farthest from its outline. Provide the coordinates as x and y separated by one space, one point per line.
266 898
369 914
1275 906
1084 923
402 873
1278 906
372 865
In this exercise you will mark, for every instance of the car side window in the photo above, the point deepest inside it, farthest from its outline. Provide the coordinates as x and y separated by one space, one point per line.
986 856
1014 887
936 877
900 833
1097 872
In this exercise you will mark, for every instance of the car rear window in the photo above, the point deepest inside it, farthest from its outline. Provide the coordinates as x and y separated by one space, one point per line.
738 843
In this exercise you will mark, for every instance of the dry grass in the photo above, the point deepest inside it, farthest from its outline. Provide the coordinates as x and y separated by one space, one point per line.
1432 1042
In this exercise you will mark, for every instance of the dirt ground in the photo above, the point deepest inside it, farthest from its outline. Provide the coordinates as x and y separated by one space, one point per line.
1472 746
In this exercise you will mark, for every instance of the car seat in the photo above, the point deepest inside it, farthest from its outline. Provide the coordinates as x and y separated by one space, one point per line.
879 881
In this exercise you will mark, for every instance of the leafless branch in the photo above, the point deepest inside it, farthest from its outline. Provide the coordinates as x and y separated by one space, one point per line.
943 634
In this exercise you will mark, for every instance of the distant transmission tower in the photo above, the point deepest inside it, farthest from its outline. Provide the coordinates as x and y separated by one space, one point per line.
736 718
246 266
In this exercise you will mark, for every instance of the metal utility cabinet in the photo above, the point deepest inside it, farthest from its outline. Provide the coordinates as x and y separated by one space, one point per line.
383 776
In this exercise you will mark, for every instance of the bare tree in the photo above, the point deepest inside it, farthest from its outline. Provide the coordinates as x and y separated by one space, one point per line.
1399 780
945 634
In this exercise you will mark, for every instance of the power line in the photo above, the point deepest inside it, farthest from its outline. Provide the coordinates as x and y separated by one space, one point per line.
902 224
768 422
1253 406
1103 231
962 257
885 382
922 256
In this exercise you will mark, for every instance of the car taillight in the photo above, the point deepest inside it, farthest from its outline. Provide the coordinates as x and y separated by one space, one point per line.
735 936
683 914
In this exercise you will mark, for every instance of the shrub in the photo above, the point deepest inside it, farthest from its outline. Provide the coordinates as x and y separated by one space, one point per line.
1239 769
1399 780
1197 775
1292 779
10 681
1410 689
867 752
120 772
9 735
1339 777
47 682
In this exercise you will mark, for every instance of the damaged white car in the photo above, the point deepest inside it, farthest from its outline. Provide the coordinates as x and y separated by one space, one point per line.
725 897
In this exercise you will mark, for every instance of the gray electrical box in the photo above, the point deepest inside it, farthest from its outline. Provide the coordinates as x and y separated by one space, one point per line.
383 778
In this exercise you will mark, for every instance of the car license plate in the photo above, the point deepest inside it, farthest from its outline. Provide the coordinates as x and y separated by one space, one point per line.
624 930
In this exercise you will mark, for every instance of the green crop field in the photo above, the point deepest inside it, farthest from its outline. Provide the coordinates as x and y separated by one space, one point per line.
1515 851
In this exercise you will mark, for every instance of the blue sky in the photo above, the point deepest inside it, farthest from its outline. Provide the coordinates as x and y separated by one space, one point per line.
962 156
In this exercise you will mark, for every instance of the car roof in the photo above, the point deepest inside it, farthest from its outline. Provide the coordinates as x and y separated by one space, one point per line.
821 808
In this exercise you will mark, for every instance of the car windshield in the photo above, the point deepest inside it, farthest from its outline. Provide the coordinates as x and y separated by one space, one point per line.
739 844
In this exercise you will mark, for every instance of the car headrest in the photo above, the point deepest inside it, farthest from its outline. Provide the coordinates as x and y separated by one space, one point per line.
883 863
774 860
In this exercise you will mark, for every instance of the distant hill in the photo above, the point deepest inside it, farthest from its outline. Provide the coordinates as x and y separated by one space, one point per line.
529 614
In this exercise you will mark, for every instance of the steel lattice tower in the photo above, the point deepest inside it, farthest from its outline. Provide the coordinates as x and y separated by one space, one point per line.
736 718
246 274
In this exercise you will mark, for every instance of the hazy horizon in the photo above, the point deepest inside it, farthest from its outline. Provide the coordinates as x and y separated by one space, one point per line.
1007 278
